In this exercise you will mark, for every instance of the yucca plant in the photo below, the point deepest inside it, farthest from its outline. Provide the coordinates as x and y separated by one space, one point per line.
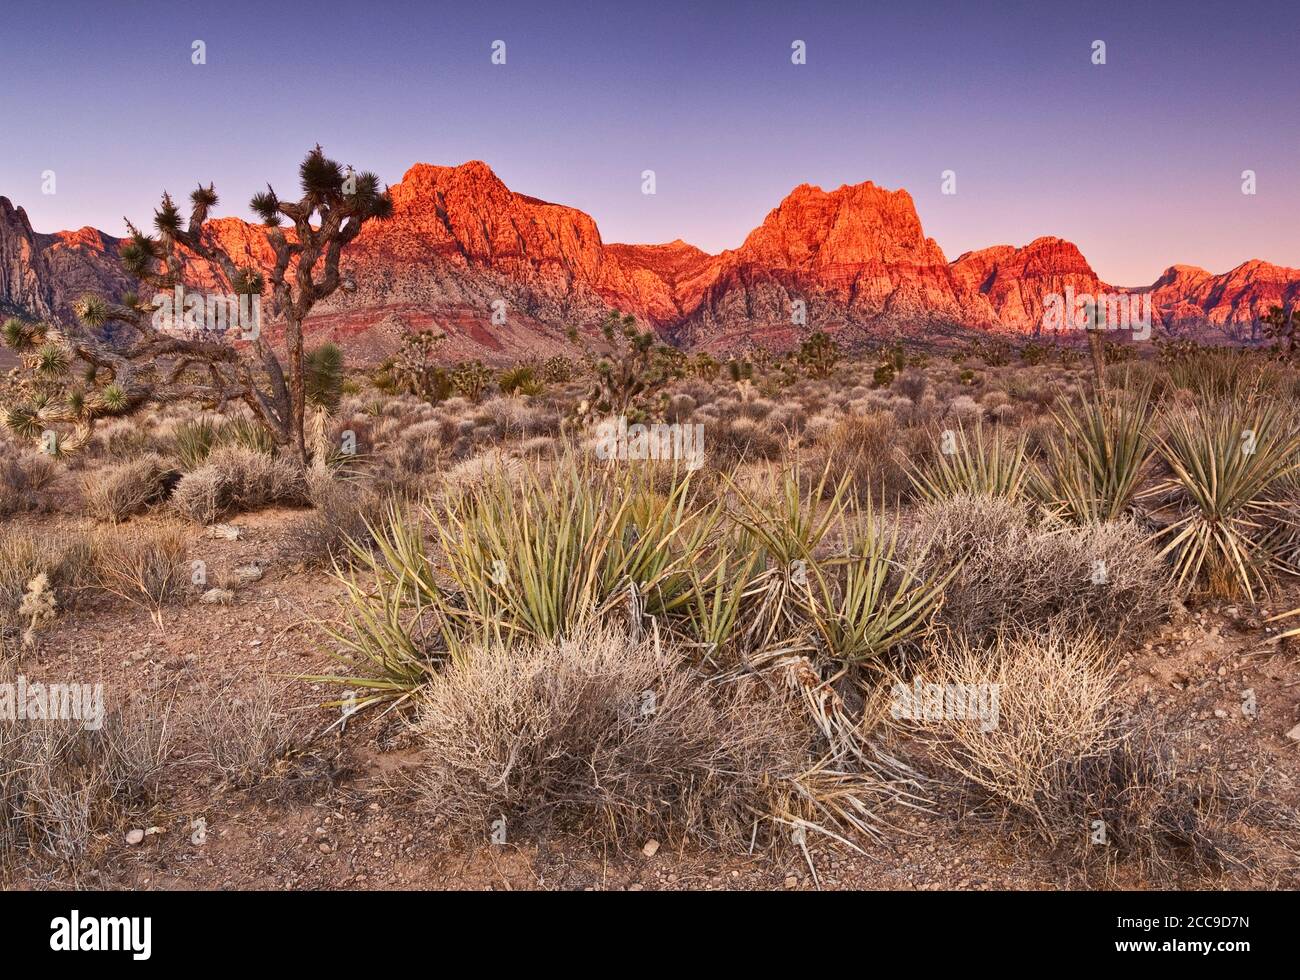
989 465
1094 468
194 441
392 633
539 559
868 603
785 531
1228 460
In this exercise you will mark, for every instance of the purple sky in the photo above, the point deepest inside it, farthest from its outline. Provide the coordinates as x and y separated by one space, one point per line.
1138 161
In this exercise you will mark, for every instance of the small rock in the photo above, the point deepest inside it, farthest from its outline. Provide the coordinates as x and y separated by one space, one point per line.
1294 734
248 573
1220 713
651 848
134 836
217 597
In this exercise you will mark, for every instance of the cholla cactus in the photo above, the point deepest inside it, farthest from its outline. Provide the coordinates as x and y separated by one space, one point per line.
123 359
38 607
557 369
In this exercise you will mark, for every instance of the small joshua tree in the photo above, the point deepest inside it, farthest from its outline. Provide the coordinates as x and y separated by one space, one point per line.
631 374
125 360
819 354
1281 325
414 369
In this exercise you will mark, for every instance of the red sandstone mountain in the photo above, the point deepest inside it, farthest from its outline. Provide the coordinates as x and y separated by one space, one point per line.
461 245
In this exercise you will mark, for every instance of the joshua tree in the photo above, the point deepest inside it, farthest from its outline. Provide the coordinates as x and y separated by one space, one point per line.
819 354
1281 325
631 375
128 359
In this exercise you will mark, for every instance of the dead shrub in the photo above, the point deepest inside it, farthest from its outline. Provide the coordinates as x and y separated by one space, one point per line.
23 475
65 559
235 480
145 566
602 735
242 732
64 787
867 450
1017 574
1062 766
115 493
341 512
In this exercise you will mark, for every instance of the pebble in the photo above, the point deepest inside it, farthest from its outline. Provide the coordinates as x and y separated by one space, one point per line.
651 848
134 836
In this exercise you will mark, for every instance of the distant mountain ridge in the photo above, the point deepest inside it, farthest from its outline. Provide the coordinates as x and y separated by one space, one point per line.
461 246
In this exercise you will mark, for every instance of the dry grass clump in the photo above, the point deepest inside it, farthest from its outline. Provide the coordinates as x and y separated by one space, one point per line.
1060 765
602 735
340 520
115 493
242 731
1013 573
145 566
867 451
64 559
23 475
236 479
65 787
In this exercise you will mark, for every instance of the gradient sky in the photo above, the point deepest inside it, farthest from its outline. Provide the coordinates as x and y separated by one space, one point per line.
1138 161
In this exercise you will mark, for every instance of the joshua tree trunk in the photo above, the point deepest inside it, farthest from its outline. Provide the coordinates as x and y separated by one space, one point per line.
1098 359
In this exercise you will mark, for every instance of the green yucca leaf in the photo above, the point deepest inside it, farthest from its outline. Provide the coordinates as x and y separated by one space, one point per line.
167 217
987 465
1228 461
1095 466
319 175
113 397
266 206
21 336
204 196
23 422
869 602
92 310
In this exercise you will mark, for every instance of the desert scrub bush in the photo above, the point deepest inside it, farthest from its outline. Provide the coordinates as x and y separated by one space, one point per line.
1019 575
23 475
339 522
115 493
865 450
978 462
65 560
144 566
1059 763
242 732
235 479
1100 456
1222 374
65 787
1230 462
606 736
